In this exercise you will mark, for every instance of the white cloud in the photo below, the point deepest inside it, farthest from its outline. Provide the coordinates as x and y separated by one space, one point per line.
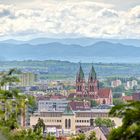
135 12
107 13
6 11
69 18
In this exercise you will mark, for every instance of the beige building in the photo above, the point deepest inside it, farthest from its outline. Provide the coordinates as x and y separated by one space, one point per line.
69 122
27 79
116 83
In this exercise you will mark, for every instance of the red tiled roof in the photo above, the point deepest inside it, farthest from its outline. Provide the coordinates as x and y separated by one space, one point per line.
104 92
57 97
79 105
127 98
42 98
71 95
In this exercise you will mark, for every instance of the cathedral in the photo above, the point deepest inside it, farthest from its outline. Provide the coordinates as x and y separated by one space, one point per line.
91 89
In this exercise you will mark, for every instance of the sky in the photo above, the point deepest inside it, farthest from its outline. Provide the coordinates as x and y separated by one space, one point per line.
26 19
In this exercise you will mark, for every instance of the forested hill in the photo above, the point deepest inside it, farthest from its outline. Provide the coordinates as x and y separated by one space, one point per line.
65 69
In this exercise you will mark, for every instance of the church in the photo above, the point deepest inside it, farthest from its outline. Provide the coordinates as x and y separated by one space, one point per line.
91 89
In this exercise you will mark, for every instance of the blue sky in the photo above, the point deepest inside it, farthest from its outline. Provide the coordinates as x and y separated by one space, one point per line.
69 18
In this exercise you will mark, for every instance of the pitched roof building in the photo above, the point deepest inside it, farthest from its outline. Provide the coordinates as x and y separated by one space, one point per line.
91 89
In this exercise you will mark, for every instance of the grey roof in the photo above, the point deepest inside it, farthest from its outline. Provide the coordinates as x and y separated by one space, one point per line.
68 111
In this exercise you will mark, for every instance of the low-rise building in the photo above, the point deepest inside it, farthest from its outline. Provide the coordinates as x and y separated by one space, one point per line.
27 79
69 121
52 105
116 83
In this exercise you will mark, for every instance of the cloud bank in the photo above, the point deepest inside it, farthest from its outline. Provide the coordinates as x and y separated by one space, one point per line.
69 19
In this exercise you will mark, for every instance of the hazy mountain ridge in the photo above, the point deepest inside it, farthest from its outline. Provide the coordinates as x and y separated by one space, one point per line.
56 49
77 41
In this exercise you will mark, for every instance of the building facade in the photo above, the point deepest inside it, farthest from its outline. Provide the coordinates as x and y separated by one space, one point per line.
27 79
52 105
91 89
69 121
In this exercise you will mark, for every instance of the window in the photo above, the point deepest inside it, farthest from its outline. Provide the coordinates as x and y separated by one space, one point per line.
69 123
66 123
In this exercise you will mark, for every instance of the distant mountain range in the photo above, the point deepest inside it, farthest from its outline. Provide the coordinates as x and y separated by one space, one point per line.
76 41
41 49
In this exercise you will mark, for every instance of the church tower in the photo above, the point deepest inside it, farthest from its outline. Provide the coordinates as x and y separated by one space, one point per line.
92 83
80 82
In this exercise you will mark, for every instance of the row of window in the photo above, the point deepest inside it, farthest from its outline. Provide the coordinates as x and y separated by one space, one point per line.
47 103
82 121
92 115
52 121
44 114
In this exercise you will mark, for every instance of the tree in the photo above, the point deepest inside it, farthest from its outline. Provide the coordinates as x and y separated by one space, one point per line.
12 106
130 114
50 137
92 136
28 134
79 137
22 107
104 122
118 101
8 78
40 125
98 122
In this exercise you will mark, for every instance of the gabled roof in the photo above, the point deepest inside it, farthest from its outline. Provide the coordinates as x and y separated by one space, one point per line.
92 73
104 92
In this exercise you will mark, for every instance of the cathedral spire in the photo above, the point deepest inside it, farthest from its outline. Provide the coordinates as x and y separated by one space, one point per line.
92 74
80 74
80 82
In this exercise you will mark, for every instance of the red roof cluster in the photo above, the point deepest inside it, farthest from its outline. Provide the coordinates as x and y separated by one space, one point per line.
71 95
79 105
104 92
57 97
127 98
